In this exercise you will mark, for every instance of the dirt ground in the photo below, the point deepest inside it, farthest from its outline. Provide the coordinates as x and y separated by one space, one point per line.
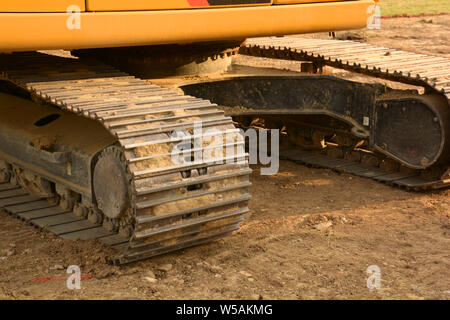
311 234
427 35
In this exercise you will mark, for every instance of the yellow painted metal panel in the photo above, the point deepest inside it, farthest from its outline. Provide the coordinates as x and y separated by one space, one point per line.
23 32
120 5
39 6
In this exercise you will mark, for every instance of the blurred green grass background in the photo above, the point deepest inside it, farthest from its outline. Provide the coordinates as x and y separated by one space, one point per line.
393 7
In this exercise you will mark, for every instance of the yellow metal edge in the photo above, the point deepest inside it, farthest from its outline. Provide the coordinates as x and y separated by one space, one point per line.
41 5
136 5
36 31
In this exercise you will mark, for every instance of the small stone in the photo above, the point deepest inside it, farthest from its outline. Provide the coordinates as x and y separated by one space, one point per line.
250 279
151 280
323 226
57 267
10 252
216 269
150 274
165 267
246 274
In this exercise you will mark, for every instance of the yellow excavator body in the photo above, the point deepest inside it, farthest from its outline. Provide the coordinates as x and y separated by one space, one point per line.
77 24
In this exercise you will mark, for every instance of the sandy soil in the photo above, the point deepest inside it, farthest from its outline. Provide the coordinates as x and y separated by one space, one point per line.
427 35
311 234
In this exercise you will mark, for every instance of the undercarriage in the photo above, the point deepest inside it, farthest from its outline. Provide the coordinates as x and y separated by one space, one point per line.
87 149
98 145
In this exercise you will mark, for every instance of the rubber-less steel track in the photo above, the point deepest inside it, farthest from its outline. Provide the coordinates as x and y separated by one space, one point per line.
391 64
430 72
173 205
410 180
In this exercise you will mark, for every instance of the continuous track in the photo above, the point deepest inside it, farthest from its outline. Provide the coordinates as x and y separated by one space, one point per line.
432 73
173 206
416 69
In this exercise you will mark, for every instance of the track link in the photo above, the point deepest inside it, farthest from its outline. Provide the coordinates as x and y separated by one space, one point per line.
173 206
44 214
408 179
430 72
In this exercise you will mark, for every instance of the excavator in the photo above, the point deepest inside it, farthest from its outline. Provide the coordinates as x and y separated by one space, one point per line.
96 97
